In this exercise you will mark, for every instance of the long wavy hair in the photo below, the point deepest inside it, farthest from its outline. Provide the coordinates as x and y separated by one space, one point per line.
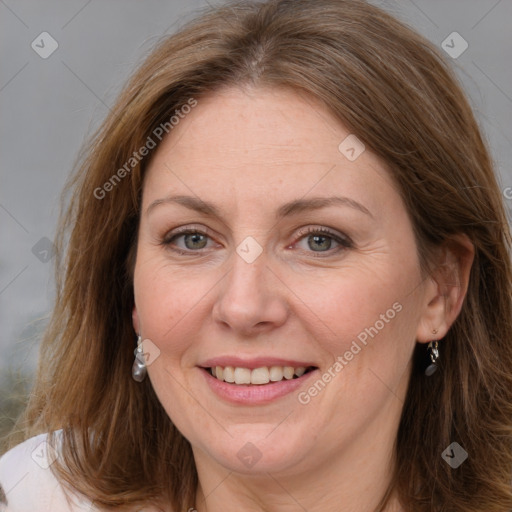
395 92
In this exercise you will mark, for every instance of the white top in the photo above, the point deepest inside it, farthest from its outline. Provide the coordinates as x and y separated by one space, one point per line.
29 484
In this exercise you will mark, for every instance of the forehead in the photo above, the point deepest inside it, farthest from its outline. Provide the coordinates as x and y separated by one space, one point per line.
257 120
257 139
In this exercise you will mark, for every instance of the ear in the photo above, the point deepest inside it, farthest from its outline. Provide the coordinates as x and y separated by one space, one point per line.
135 320
446 288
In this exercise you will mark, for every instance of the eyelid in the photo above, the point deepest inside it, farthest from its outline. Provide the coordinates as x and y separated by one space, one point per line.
323 230
186 229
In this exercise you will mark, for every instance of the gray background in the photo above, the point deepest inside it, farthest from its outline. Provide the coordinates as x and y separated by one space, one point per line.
49 106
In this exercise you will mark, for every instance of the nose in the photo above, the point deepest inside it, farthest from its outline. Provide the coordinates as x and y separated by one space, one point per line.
251 298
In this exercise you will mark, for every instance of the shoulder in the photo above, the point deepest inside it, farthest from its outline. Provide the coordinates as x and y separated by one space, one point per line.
29 484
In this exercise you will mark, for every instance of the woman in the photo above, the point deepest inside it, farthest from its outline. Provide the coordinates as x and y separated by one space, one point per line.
293 213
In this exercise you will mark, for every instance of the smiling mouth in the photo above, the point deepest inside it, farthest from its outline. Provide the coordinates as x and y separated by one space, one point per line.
257 376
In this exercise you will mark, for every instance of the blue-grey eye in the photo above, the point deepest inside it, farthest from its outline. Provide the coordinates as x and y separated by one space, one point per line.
195 240
321 242
192 240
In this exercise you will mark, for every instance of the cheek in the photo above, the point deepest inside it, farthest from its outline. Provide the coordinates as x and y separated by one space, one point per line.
171 303
161 299
371 306
349 297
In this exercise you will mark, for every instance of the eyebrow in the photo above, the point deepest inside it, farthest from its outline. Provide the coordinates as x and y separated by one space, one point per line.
288 209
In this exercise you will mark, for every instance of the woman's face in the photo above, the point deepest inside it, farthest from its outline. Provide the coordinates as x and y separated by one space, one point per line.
270 243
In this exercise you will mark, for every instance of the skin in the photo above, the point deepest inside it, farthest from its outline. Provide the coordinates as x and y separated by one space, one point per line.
249 151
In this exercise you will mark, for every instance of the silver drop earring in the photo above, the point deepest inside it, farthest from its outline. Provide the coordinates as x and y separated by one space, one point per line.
433 352
139 370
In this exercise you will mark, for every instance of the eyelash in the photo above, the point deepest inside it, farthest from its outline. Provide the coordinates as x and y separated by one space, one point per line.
343 241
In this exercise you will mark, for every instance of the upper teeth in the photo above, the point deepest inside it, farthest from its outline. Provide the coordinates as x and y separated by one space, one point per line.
261 375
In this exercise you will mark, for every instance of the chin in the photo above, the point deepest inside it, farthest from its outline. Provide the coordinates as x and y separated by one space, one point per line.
251 453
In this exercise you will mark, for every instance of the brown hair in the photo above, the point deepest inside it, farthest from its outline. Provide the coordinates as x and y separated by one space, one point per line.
391 88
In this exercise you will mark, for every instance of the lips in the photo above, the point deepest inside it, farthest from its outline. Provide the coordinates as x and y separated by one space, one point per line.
255 381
